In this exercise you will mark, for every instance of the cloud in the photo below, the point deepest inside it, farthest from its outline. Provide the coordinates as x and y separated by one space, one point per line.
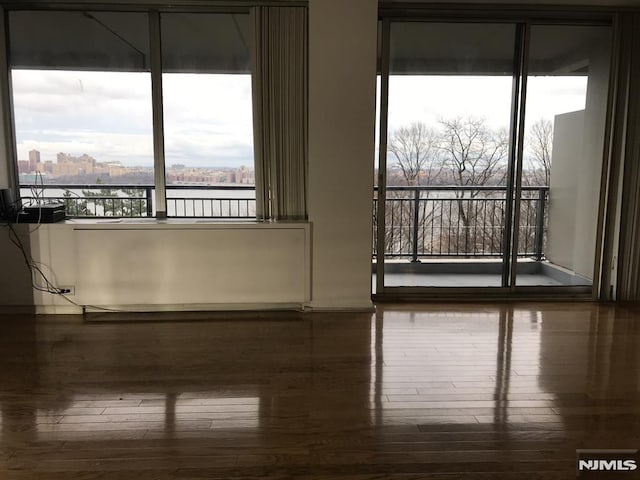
114 85
421 98
427 98
208 118
113 102
129 149
553 95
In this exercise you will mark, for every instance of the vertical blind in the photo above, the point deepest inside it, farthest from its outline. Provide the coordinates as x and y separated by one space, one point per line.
279 103
628 282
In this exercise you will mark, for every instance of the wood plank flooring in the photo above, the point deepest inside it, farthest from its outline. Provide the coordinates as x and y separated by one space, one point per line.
485 391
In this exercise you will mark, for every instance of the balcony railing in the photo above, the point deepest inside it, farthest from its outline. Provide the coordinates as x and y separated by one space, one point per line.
455 221
136 201
421 221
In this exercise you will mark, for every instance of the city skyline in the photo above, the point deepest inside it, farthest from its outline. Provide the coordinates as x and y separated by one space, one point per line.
68 166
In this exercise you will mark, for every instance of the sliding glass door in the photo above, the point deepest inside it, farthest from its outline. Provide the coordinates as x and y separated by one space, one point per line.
491 140
566 104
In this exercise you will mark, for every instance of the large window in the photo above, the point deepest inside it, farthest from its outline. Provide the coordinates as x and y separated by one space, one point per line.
208 124
449 111
491 149
82 96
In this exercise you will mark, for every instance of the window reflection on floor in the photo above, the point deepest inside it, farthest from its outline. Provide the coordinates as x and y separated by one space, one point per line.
145 415
456 367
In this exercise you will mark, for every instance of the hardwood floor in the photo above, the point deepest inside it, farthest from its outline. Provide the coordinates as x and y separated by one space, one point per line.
410 392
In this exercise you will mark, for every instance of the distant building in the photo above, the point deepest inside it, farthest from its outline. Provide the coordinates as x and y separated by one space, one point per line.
116 169
34 160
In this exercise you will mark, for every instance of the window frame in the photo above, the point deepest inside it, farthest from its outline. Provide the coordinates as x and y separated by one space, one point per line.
524 16
153 14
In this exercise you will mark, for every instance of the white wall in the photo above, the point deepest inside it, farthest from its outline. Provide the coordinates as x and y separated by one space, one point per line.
155 266
568 136
15 281
590 166
342 97
217 264
578 149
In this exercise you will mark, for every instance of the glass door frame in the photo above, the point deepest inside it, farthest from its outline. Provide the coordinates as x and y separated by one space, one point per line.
522 20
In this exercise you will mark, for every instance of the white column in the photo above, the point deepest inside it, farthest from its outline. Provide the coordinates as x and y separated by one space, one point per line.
342 84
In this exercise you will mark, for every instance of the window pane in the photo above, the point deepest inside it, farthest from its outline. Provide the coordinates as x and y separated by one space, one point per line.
450 90
208 123
83 110
567 91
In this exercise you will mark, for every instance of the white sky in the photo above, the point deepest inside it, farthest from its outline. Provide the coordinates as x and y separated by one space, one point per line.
428 98
414 98
208 120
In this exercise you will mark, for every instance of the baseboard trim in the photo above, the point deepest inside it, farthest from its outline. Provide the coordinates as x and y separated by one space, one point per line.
58 310
17 309
185 308
188 307
363 308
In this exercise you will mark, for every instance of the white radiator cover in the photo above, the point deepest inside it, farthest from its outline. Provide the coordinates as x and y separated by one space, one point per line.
199 265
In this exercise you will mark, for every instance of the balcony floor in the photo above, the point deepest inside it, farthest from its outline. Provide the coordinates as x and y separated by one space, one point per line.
474 273
460 280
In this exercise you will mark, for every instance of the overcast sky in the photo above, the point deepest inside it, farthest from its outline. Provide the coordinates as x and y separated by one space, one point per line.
208 120
429 98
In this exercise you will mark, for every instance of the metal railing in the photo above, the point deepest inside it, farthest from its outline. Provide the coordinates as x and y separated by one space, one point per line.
421 221
457 221
136 201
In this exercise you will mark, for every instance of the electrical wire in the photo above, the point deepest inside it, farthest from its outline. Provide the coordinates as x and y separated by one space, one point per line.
39 280
37 275
49 287
104 309
35 192
39 200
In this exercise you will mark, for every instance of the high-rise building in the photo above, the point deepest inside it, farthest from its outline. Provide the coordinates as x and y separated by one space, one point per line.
34 156
34 160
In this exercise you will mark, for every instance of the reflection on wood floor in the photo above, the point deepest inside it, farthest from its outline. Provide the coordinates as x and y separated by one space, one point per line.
410 392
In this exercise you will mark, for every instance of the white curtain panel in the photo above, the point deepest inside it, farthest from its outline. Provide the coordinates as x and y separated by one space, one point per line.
629 247
279 85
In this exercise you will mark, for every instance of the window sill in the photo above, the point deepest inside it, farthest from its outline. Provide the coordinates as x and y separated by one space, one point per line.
154 223
159 221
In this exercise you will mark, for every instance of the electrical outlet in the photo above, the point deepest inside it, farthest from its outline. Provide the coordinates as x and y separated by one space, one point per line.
71 289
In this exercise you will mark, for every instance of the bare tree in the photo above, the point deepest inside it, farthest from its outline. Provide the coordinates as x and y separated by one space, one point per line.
414 155
414 148
539 145
463 152
473 155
